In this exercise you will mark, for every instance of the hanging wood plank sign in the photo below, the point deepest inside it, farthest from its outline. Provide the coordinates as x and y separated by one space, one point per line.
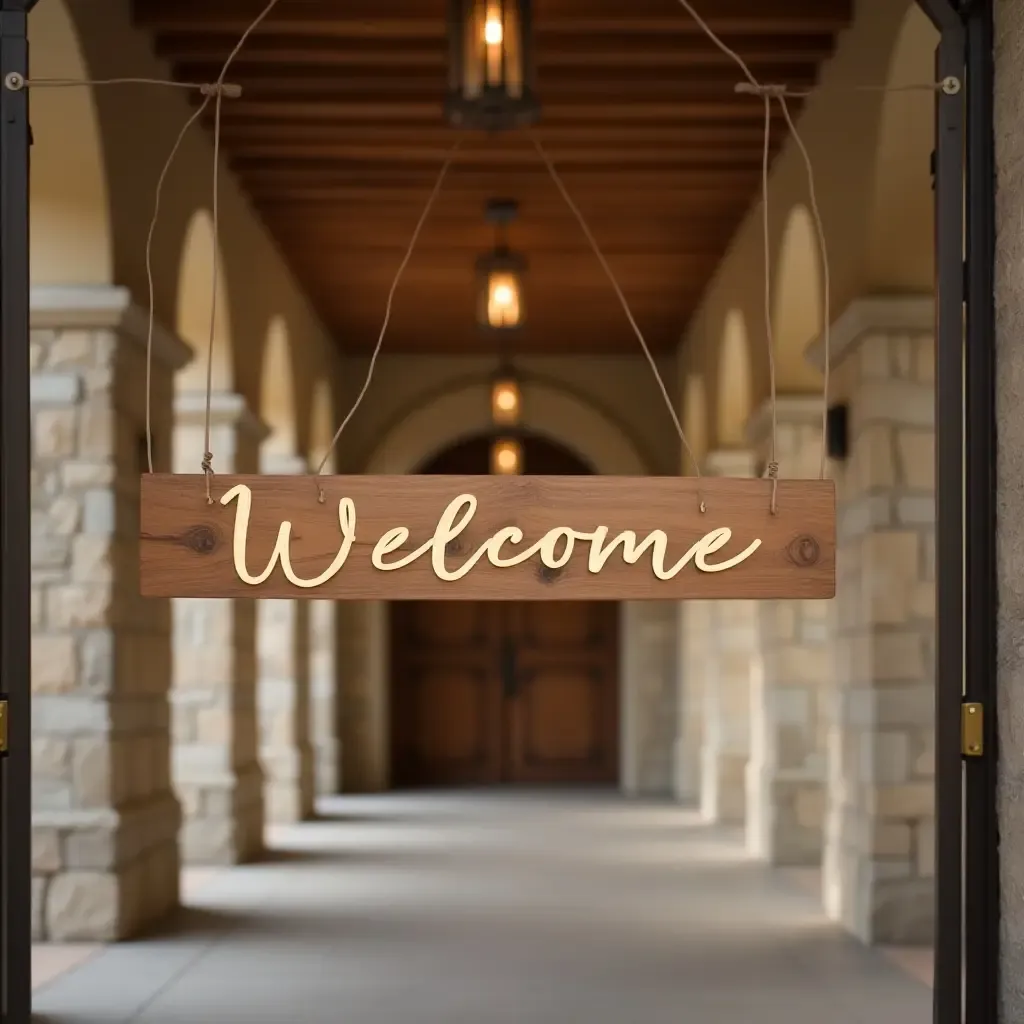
486 538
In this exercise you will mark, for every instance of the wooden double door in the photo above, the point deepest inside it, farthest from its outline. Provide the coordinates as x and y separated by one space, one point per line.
501 692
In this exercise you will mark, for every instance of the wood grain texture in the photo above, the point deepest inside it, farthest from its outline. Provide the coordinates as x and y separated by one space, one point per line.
341 122
186 542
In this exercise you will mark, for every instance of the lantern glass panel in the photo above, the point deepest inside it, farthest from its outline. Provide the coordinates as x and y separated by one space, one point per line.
505 402
506 457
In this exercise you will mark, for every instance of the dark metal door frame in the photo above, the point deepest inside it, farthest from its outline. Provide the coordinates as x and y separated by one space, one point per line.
15 534
967 838
967 867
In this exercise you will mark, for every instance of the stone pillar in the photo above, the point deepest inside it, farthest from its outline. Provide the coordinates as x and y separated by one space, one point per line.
363 656
323 639
1009 525
216 770
105 819
649 673
786 775
880 816
694 624
732 652
286 752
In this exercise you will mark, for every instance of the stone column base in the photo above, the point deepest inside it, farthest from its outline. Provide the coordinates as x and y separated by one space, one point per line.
223 818
289 784
723 787
785 818
327 772
104 875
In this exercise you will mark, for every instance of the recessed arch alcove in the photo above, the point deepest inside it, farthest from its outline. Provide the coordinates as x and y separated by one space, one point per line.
277 390
644 632
734 383
797 302
196 311
70 226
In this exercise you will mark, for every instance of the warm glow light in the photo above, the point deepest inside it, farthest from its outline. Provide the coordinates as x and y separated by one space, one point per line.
505 403
506 458
503 300
493 32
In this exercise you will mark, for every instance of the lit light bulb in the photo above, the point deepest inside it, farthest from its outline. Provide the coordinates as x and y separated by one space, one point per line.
506 458
506 400
493 32
503 300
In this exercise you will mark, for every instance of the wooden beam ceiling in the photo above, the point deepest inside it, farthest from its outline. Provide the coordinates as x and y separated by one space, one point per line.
340 134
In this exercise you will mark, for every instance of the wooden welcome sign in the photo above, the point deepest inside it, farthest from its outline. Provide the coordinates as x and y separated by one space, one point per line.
486 538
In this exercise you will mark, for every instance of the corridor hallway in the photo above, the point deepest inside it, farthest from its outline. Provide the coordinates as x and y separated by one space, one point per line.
484 908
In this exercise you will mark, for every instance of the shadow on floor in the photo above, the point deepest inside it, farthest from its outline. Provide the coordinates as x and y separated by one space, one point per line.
477 909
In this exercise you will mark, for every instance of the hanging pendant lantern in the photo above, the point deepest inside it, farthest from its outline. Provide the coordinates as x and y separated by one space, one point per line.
500 302
506 400
507 457
491 74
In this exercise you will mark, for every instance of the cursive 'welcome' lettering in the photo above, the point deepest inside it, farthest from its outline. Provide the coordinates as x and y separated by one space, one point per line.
282 549
554 549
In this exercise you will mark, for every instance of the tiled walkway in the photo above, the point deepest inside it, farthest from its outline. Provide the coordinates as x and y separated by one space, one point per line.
483 909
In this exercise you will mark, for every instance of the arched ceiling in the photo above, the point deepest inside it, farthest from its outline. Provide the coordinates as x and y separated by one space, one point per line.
339 137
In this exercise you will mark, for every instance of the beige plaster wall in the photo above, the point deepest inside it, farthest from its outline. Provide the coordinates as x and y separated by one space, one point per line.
622 389
870 152
90 226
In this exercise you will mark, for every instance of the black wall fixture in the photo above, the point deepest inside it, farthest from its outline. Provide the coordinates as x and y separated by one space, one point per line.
837 432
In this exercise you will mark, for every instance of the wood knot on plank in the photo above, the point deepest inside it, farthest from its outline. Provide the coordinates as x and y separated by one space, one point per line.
546 574
804 551
203 540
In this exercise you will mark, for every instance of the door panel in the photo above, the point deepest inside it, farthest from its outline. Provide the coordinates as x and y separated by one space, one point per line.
562 723
501 692
446 708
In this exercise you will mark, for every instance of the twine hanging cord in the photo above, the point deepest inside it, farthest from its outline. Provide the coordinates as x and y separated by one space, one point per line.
217 91
210 91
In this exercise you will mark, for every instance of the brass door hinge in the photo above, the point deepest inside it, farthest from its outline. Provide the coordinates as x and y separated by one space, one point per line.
972 730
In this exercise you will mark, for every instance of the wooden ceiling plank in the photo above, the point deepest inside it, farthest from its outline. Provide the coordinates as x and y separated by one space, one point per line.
340 134
560 51
288 133
254 156
260 81
425 18
722 108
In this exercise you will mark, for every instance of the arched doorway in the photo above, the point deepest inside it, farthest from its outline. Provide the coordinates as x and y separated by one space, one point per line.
499 692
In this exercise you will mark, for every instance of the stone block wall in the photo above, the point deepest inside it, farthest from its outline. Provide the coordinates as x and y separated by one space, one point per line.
1009 345
216 773
880 826
283 694
323 669
694 626
649 694
732 652
364 700
105 818
786 776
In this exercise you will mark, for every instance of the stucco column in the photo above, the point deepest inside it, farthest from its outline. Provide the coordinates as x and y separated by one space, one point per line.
363 643
880 816
323 668
692 659
283 697
1009 525
216 769
732 649
648 671
786 774
105 818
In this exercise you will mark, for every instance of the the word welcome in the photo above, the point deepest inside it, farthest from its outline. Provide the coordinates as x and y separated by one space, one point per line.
555 548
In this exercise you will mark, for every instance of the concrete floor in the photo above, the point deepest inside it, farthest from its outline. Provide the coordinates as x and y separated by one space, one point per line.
485 909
